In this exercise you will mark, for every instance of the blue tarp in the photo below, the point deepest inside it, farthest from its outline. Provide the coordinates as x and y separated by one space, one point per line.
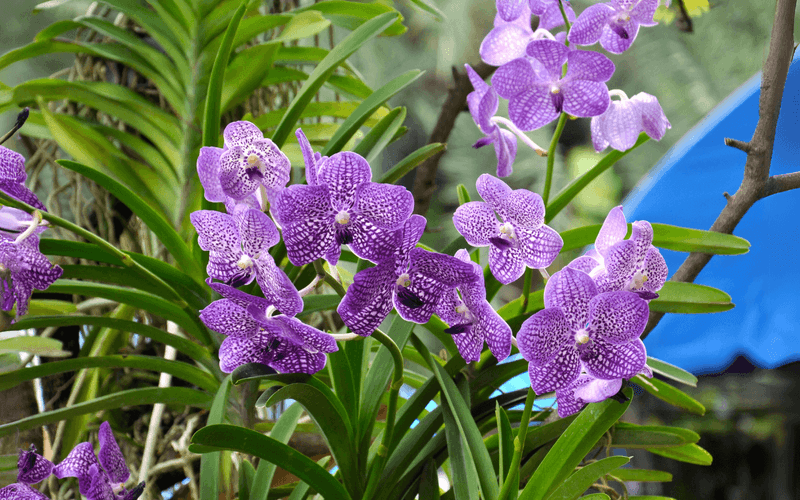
686 189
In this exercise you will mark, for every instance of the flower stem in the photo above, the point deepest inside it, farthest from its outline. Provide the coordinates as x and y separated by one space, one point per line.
376 468
519 444
551 157
566 21
519 133
526 288
337 287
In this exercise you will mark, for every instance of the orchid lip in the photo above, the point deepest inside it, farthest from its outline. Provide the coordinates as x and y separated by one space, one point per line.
619 30
500 243
344 236
458 329
409 298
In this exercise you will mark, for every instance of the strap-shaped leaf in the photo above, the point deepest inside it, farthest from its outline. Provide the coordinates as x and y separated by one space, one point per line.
160 227
429 482
670 394
232 437
381 134
349 15
651 436
40 346
671 371
690 298
579 438
412 161
246 72
179 369
506 438
282 431
430 8
367 108
300 492
689 453
147 396
257 371
344 378
325 68
209 463
462 467
581 480
348 84
642 475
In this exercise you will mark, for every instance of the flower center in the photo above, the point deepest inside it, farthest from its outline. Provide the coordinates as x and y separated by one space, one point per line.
404 280
462 308
245 262
253 160
507 230
555 89
638 280
343 217
581 337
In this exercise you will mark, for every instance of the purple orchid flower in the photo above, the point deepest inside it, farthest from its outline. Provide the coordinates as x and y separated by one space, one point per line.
20 491
587 389
412 280
614 24
12 178
209 169
617 264
538 95
14 221
521 239
283 343
549 13
581 327
32 467
340 205
99 479
620 125
508 39
483 103
23 268
238 253
248 161
472 319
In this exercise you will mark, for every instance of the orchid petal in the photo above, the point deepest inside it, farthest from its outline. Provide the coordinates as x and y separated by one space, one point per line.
613 230
506 264
20 491
539 247
584 98
32 467
208 170
611 361
278 289
228 318
343 172
241 133
588 65
384 205
617 317
588 28
550 53
476 222
504 44
523 208
614 43
654 121
543 335
369 298
110 456
513 78
558 373
571 291
533 108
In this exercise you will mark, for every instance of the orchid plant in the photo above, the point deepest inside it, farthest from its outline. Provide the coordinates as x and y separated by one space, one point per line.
315 289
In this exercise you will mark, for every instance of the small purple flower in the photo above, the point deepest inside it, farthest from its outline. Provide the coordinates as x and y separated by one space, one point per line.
23 268
283 343
472 319
620 125
581 327
99 479
483 103
32 467
549 14
12 178
614 24
340 205
508 39
521 239
209 170
617 264
20 491
538 95
587 389
238 253
412 280
248 161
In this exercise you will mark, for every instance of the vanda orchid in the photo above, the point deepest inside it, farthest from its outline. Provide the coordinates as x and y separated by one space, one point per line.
249 285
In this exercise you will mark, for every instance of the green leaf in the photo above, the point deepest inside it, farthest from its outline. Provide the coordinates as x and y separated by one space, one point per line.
683 239
671 371
582 479
463 194
381 135
211 113
573 445
671 395
210 462
181 396
367 108
232 437
598 496
689 453
246 72
642 475
40 346
303 25
8 462
690 298
429 7
506 438
649 497
179 369
462 467
325 68
282 431
428 483
350 16
47 307
651 436
411 162
259 371
163 230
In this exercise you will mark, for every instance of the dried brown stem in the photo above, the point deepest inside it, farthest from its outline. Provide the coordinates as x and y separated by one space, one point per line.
757 180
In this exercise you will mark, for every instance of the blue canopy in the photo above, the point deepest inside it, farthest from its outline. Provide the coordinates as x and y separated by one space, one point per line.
686 189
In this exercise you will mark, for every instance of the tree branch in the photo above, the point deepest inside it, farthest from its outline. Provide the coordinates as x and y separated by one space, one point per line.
425 179
780 183
759 155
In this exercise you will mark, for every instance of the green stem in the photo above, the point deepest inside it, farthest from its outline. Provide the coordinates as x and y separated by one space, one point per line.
126 259
519 445
526 288
566 21
337 287
376 468
551 156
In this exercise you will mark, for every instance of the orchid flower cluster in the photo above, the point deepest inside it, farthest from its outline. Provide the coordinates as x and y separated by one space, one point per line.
543 77
100 477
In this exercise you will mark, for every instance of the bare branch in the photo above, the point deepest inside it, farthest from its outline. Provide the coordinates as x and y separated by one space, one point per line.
741 145
780 183
456 102
756 170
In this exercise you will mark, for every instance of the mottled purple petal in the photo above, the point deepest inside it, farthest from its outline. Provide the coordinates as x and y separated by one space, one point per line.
584 98
486 110
523 208
208 169
599 140
492 189
371 242
617 317
448 270
513 78
216 231
474 98
613 230
568 403
505 43
613 42
313 339
110 456
539 247
258 232
620 264
276 164
412 232
491 327
77 464
446 308
550 53
237 351
384 205
559 372
598 390
369 298
343 172
588 65
20 491
476 222
571 291
655 268
22 193
469 344
589 26
235 177
654 121
621 124
543 335
308 157
241 133
552 18
237 296
505 149
228 318
277 287
307 220
584 263
12 166
506 264
32 467
642 237
533 108
510 9
610 361
298 360
644 11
